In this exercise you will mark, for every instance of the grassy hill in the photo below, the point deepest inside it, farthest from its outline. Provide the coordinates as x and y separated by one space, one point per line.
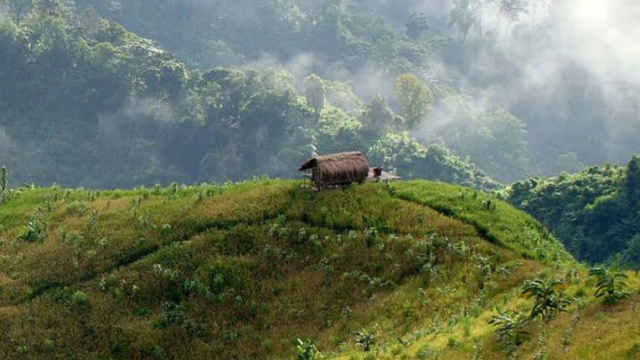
411 270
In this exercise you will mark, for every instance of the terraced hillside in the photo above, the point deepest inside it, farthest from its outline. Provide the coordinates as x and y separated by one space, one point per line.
411 270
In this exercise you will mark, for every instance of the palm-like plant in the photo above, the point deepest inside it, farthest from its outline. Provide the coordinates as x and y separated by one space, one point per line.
548 301
510 328
34 231
365 339
611 282
307 350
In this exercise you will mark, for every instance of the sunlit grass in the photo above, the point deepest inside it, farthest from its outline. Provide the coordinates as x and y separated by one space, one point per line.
241 271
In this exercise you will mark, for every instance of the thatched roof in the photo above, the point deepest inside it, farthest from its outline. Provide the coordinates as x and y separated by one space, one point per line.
341 168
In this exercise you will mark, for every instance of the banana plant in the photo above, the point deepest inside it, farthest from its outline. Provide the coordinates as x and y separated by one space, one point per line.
306 350
548 301
611 282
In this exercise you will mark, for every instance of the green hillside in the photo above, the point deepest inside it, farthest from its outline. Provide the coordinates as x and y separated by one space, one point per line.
410 270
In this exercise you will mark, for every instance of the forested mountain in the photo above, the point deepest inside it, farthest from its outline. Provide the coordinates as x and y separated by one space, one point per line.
520 87
596 212
489 82
85 102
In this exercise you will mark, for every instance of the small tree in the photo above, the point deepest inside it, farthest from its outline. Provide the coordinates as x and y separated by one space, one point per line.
611 282
306 350
377 118
547 300
416 98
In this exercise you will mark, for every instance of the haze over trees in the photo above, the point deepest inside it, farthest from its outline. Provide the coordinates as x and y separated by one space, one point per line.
303 77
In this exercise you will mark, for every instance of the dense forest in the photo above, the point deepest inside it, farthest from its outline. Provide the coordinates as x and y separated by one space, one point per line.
596 212
257 86
88 103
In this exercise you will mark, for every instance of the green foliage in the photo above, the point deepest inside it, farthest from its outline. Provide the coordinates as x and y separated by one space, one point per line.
377 117
174 315
415 98
253 263
510 329
306 350
4 187
548 301
496 142
34 231
81 300
632 253
400 153
593 211
365 339
611 285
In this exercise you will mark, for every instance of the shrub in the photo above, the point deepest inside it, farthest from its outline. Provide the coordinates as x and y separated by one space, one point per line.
80 299
611 283
34 231
547 300
306 350
365 339
174 315
48 346
510 329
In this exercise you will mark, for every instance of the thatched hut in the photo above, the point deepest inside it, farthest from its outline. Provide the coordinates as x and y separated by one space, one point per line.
337 169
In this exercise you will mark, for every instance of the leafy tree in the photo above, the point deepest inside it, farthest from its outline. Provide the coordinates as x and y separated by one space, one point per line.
377 117
415 97
611 282
632 181
548 301
399 153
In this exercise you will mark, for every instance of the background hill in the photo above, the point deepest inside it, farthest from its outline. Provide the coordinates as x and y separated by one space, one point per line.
411 270
88 102
594 212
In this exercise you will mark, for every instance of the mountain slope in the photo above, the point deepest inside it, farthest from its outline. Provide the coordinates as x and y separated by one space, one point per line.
241 271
